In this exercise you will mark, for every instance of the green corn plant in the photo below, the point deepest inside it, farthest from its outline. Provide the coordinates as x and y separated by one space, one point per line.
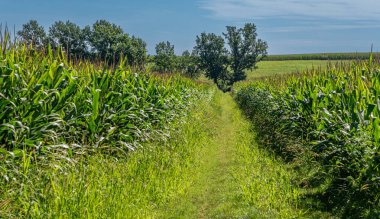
333 117
53 109
46 100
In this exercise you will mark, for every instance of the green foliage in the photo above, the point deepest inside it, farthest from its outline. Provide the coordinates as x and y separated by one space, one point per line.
33 34
70 37
100 185
46 102
225 67
245 50
136 53
110 43
165 57
104 41
56 115
188 65
105 38
212 57
328 121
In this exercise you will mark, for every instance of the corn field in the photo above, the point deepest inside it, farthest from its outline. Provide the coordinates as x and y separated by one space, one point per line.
328 123
53 109
47 103
68 130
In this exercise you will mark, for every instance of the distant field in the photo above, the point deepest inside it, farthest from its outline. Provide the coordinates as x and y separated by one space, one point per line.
322 56
272 68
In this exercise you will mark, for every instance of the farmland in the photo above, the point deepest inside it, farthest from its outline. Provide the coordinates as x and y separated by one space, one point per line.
91 140
322 56
100 131
278 68
64 125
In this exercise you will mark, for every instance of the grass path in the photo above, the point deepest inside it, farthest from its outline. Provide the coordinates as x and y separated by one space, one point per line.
228 182
211 167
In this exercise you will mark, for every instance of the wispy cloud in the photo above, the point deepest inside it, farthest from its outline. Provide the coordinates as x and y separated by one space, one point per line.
321 26
307 9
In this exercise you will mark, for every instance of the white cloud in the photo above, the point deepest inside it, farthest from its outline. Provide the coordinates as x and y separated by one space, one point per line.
307 9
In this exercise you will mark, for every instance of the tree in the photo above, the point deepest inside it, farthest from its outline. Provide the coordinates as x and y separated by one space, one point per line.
139 53
188 64
110 43
33 34
245 49
225 67
183 61
70 37
120 47
132 49
104 39
213 56
165 57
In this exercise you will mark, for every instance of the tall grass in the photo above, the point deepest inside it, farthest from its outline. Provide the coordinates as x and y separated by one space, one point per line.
329 122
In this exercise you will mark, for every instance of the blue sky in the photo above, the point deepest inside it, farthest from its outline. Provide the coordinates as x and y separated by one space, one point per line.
289 26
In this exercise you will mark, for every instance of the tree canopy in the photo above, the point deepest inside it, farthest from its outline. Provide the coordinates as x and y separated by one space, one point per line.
224 59
227 66
33 34
188 64
69 36
103 40
165 57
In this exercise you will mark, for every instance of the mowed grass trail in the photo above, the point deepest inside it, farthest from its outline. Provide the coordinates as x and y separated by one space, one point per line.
233 177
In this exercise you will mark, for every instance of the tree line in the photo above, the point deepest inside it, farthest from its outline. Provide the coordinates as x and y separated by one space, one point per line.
223 59
103 40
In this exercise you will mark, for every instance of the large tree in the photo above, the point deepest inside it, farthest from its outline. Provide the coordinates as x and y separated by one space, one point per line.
105 37
110 43
69 36
33 34
245 49
165 57
133 49
213 56
227 66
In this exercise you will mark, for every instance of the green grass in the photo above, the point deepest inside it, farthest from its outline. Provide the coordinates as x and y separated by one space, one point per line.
276 68
322 56
234 178
280 68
